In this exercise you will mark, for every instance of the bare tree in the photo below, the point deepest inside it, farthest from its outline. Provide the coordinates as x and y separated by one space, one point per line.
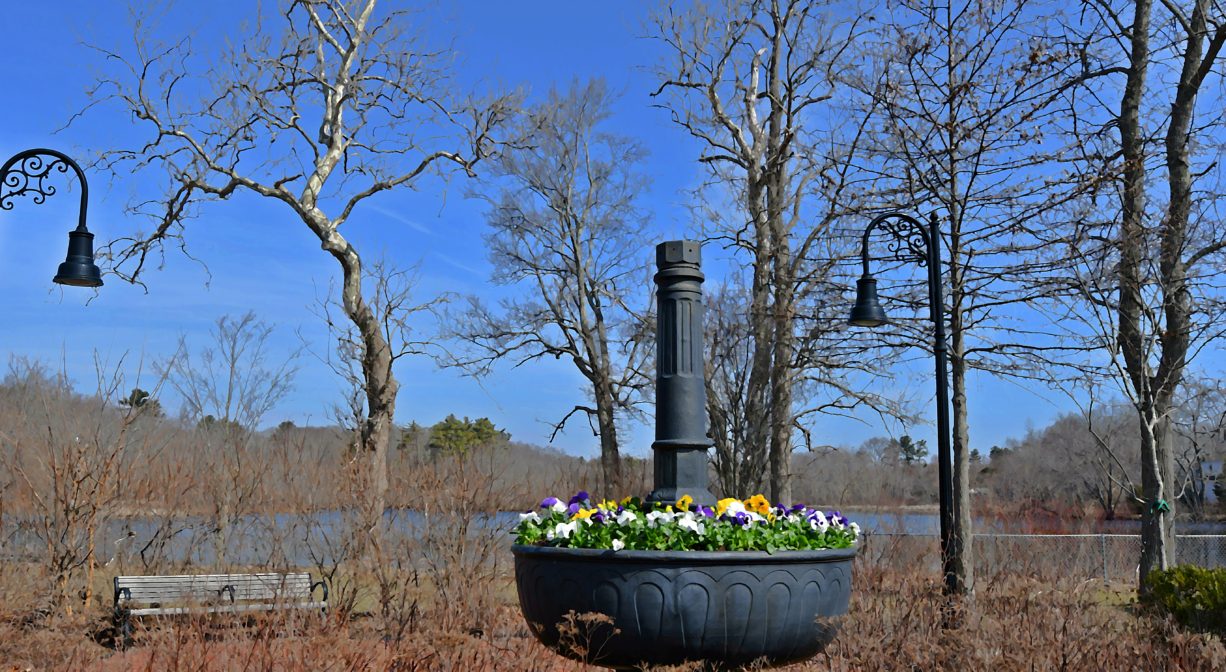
235 379
228 386
72 456
566 225
965 91
1148 266
753 81
333 106
740 466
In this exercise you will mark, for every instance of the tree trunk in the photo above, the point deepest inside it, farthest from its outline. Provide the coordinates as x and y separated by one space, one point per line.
963 557
781 369
1157 524
381 386
610 458
757 406
778 160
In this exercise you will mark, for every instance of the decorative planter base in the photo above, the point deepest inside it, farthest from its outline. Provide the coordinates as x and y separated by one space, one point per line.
668 607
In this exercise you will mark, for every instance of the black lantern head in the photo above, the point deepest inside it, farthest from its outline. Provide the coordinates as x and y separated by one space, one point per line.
79 269
868 311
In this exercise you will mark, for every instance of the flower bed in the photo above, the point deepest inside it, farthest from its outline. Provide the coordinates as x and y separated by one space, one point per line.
732 525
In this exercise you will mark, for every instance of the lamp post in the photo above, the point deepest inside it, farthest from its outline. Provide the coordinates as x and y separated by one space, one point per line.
913 242
681 444
26 173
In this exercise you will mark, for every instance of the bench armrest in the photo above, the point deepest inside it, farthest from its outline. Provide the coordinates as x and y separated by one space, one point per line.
323 585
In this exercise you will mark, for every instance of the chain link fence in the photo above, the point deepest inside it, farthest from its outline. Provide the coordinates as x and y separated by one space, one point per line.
1109 557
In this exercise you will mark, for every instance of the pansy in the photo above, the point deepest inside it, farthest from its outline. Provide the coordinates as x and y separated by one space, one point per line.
758 505
729 505
563 530
580 497
553 504
654 518
689 523
731 525
626 517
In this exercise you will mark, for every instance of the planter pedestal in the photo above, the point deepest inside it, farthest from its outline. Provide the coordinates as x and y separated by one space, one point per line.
668 607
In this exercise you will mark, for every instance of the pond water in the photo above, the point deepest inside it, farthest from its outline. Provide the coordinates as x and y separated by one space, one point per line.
316 540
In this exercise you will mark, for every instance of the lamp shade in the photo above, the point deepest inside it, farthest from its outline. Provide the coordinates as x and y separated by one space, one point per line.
868 311
79 269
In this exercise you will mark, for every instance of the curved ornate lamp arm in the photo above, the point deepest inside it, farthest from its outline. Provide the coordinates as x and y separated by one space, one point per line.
912 238
27 173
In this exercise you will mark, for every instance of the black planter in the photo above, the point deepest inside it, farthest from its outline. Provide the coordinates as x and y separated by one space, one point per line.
667 607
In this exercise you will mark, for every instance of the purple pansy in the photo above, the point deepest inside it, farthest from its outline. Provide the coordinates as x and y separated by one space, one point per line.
549 501
580 497
572 509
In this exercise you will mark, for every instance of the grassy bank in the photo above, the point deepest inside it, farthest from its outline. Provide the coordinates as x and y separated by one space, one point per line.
1012 624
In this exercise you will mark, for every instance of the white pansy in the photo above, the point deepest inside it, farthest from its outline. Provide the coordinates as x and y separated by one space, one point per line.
618 544
626 517
754 517
530 517
692 525
818 522
557 507
855 529
563 530
655 518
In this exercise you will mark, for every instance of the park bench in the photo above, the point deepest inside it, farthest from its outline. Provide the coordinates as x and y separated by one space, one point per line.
212 593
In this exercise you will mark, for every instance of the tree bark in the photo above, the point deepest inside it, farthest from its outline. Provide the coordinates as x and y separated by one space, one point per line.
610 457
381 387
758 409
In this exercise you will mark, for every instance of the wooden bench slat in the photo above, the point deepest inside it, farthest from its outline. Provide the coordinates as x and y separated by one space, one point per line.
226 608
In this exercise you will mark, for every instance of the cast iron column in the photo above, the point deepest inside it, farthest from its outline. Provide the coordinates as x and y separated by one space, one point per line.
681 443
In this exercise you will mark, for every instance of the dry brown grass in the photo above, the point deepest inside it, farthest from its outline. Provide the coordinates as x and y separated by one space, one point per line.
894 624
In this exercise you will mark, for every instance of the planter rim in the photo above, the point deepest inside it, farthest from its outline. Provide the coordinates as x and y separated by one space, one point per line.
686 557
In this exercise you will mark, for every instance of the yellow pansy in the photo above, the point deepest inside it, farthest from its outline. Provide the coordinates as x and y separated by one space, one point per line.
583 514
722 505
758 504
683 504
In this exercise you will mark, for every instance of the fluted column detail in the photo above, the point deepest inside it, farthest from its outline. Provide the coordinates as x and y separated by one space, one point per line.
681 443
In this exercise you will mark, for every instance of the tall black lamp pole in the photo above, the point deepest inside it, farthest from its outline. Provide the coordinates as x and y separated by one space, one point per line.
26 173
912 242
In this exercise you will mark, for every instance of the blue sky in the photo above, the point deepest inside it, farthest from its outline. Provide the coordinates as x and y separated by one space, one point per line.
259 258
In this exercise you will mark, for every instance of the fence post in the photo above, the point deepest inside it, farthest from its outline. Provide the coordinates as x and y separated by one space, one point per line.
1102 538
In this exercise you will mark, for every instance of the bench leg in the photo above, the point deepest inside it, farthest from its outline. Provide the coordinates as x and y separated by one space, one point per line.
123 630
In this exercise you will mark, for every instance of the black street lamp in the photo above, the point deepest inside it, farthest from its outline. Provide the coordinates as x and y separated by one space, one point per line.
913 242
27 173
